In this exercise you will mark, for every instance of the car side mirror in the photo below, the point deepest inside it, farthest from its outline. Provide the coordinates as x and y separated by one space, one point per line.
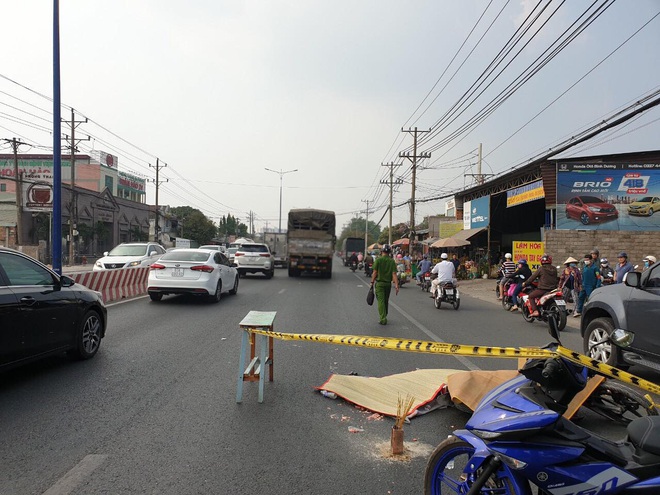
105 253
66 281
153 253
273 253
632 279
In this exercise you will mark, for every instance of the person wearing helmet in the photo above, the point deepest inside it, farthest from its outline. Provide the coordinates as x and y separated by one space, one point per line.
383 275
507 269
548 280
623 266
423 266
445 272
519 276
606 272
649 261
570 281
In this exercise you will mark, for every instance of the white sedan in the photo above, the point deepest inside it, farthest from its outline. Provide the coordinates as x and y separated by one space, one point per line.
201 272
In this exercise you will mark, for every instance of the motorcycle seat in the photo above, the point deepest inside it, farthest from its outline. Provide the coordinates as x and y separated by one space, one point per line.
645 433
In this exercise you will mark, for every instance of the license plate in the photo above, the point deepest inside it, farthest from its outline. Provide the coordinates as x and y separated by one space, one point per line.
560 302
177 272
427 278
449 291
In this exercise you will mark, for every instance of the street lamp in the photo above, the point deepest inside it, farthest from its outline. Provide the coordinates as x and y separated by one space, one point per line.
281 174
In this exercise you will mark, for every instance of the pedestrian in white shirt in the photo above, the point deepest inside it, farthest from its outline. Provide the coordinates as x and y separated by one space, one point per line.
446 272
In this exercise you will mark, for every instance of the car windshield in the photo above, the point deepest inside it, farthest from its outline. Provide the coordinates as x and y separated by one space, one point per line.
129 250
591 199
181 255
647 199
256 248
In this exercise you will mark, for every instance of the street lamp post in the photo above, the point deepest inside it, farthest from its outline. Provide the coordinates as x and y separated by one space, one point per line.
281 174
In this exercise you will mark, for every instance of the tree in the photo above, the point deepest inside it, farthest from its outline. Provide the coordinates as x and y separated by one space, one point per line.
356 227
230 225
196 225
398 232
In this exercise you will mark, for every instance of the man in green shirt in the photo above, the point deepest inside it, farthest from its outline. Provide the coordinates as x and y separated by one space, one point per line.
384 273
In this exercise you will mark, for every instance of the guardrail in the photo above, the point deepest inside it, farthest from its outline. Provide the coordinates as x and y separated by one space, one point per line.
115 284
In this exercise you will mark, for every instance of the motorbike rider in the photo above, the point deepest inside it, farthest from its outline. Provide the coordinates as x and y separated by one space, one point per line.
606 272
423 266
353 260
507 269
649 261
571 279
590 281
445 272
548 280
519 276
368 263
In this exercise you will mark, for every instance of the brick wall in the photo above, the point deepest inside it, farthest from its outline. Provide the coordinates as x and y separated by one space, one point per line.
564 243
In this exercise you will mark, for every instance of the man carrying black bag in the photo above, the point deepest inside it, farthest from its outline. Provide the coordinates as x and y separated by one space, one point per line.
384 273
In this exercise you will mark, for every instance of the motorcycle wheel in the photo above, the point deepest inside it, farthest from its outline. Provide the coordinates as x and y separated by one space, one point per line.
559 314
525 312
456 303
445 471
497 290
619 403
506 303
437 302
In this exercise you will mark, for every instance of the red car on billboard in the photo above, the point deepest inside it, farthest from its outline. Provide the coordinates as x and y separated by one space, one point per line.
590 209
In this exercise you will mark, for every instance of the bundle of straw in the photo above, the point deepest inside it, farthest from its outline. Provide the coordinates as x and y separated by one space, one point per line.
403 408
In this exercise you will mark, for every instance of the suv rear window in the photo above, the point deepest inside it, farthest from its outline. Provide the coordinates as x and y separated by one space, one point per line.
253 248
180 255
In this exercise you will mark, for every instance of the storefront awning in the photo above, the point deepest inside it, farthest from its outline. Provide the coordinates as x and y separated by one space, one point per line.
465 235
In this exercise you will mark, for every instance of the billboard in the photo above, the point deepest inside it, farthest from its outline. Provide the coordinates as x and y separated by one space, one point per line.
608 196
525 194
480 212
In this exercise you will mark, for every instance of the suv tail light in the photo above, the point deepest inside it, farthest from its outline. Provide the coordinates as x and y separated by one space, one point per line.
156 266
237 254
265 255
202 268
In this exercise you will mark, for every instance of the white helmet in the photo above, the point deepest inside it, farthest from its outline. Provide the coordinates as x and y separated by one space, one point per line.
507 256
443 256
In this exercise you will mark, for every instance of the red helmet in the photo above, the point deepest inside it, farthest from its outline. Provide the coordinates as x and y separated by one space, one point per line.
546 259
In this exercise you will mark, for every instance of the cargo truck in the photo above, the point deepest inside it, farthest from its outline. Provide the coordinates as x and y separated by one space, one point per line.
352 245
278 247
311 241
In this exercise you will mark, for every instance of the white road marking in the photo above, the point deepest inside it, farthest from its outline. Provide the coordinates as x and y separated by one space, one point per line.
67 483
282 291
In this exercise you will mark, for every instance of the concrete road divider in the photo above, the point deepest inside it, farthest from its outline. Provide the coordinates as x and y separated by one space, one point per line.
115 284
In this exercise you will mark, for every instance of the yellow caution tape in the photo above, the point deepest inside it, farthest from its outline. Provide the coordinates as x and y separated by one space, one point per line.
431 347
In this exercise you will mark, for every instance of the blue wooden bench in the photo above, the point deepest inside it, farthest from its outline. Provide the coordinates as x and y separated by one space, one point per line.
256 369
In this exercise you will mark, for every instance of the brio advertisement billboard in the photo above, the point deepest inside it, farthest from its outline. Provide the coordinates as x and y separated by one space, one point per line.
608 196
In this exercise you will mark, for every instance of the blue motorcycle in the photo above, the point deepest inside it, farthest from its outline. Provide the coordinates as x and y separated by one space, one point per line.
518 439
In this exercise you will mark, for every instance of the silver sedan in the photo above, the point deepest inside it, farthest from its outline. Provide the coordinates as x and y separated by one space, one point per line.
200 272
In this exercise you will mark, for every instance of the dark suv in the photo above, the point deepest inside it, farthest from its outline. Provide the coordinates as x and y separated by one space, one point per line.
633 306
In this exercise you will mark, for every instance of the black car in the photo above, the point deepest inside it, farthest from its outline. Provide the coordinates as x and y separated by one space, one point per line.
633 306
42 313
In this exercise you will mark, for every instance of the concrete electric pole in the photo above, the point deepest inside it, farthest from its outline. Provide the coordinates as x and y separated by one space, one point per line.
413 158
158 182
281 174
391 183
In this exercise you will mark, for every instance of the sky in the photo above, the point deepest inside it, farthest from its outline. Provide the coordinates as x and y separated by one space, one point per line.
321 91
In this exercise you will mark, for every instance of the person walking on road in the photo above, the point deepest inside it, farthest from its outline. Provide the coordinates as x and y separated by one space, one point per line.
384 274
623 266
590 281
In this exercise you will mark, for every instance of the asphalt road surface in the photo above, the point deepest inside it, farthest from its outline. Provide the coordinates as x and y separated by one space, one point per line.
155 412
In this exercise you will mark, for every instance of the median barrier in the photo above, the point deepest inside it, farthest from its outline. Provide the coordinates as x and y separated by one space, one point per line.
115 284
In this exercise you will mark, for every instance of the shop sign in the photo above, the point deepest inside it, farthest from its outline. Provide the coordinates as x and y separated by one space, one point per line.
525 194
37 196
530 251
480 212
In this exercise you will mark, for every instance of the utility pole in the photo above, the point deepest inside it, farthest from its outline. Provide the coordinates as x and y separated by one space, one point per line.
366 228
281 174
391 183
479 177
18 184
413 158
73 203
158 182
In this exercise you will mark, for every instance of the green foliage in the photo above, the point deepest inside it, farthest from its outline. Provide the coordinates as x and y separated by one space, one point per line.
398 231
356 227
196 226
230 225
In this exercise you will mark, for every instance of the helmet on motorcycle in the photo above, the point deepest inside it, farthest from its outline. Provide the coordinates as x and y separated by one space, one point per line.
522 262
386 248
603 261
443 256
546 259
507 256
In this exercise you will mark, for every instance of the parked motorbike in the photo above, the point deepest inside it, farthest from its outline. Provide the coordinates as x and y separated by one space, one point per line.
518 442
426 281
550 304
447 292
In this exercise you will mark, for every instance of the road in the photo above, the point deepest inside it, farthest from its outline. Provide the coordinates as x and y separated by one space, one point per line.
155 411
